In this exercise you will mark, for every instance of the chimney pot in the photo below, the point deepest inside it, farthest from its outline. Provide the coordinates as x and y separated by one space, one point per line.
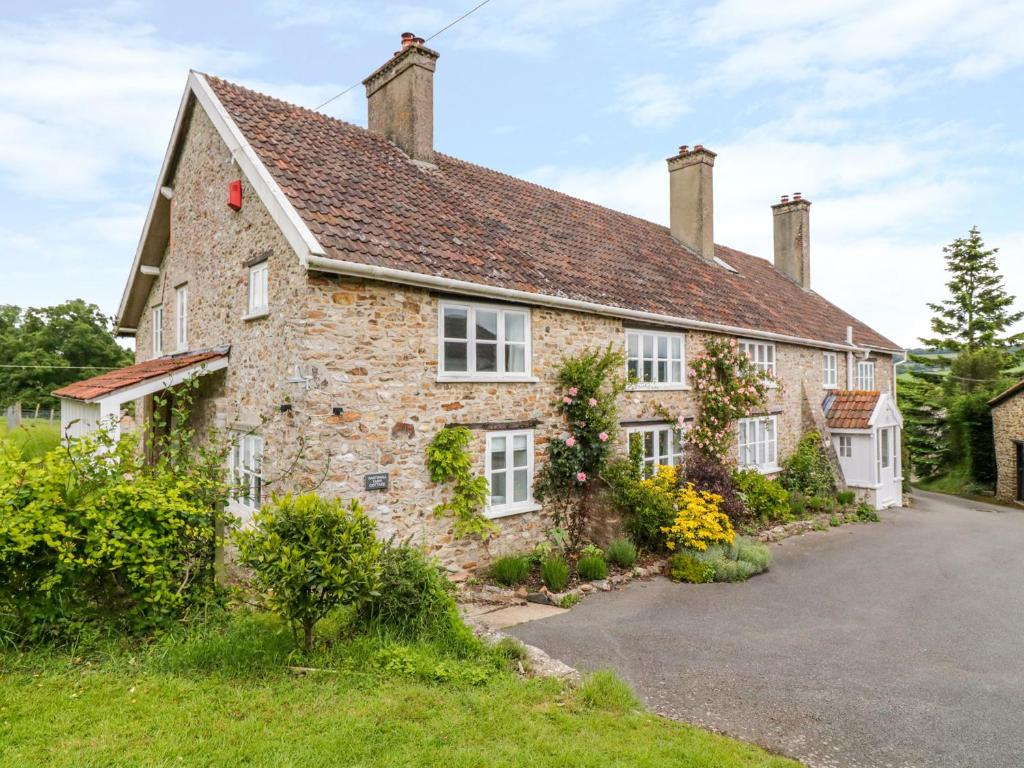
400 99
683 149
797 196
785 198
691 199
792 229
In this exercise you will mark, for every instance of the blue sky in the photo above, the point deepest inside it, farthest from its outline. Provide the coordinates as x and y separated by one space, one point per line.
899 120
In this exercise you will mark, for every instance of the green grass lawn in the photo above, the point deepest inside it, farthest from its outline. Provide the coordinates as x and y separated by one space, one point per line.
34 437
229 699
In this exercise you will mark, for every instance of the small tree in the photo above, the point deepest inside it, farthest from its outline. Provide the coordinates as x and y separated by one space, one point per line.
311 555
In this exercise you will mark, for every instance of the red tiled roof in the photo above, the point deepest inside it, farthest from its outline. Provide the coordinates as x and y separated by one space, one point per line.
104 384
1007 394
365 202
850 409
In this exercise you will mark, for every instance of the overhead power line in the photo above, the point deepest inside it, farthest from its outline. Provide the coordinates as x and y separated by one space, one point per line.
62 367
445 28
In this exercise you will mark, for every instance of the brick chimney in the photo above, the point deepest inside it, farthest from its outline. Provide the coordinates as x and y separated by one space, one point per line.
793 239
691 199
400 98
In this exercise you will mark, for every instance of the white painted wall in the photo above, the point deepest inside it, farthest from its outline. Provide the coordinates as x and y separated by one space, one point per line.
86 417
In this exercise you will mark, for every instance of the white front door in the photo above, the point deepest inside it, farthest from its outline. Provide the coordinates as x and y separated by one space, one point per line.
887 447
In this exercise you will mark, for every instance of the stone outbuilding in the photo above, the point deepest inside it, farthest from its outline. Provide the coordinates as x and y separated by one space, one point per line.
1008 432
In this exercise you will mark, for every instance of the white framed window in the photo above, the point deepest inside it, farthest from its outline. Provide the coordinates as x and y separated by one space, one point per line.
761 354
158 331
865 374
181 317
259 297
829 370
661 445
509 461
483 341
884 456
655 359
246 467
845 446
758 447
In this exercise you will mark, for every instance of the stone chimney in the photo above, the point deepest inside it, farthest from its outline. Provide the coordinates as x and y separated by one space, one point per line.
793 239
691 199
400 99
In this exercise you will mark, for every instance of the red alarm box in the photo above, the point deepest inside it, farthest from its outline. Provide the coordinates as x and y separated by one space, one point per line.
235 194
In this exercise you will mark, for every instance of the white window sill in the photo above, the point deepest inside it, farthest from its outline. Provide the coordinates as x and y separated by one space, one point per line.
830 386
766 470
258 314
518 509
455 379
657 387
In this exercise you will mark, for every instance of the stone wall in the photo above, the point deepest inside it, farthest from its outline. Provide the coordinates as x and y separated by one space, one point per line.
1007 426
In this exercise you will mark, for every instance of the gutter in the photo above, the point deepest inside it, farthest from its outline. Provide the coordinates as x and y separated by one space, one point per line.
387 274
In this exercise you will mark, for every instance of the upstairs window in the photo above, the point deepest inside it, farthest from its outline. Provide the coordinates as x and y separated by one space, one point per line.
758 448
761 354
509 463
654 359
829 370
865 375
483 341
181 316
259 300
158 331
660 445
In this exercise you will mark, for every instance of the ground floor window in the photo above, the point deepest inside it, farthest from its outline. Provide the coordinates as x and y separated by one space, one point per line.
845 446
247 471
758 448
509 472
659 443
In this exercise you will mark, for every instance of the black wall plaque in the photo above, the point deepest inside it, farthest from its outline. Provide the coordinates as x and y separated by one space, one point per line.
377 481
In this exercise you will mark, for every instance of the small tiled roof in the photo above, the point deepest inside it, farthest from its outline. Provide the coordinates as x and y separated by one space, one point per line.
850 409
1007 394
366 203
106 383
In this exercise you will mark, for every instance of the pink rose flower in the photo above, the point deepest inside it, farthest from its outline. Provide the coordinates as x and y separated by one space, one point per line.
573 391
571 441
567 400
592 402
603 436
581 477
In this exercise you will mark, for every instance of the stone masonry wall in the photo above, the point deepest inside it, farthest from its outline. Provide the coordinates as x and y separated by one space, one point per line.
1007 426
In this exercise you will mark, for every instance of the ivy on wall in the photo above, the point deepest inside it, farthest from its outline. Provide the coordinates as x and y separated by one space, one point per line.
449 461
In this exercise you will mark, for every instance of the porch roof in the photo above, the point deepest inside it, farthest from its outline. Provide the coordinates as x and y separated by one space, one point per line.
850 409
150 375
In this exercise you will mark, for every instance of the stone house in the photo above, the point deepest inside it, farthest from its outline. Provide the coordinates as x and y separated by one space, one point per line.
1008 431
345 293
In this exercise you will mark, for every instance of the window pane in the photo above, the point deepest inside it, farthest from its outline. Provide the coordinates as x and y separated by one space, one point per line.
649 445
519 453
498 489
662 370
486 325
515 326
455 355
677 347
648 345
663 346
497 453
632 345
648 371
455 323
677 372
633 368
515 358
520 487
487 357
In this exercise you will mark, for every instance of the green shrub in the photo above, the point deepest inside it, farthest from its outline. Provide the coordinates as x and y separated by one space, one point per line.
621 552
510 649
866 513
808 470
511 570
846 498
737 561
592 567
311 555
413 600
646 510
604 690
555 573
765 499
569 600
686 566
797 505
826 504
591 550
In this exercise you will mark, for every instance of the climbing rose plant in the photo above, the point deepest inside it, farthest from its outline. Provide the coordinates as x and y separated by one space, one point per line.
589 386
727 387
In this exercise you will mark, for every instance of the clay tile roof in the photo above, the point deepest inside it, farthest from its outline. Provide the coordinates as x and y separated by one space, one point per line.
850 409
106 383
365 202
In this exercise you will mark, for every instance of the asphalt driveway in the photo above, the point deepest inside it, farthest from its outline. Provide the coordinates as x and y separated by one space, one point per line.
899 643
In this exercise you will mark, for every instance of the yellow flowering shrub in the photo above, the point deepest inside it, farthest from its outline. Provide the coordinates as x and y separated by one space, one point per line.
699 520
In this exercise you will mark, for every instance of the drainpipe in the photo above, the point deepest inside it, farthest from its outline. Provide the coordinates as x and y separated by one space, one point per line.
849 358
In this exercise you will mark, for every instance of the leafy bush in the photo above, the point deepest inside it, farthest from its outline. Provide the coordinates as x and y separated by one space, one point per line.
604 690
826 504
621 552
448 461
686 566
555 573
646 510
311 555
699 520
765 499
737 561
797 505
91 535
866 513
846 498
511 570
413 600
808 470
592 567
709 474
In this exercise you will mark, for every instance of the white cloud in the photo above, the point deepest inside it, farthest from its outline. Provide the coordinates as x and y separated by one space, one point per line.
651 100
